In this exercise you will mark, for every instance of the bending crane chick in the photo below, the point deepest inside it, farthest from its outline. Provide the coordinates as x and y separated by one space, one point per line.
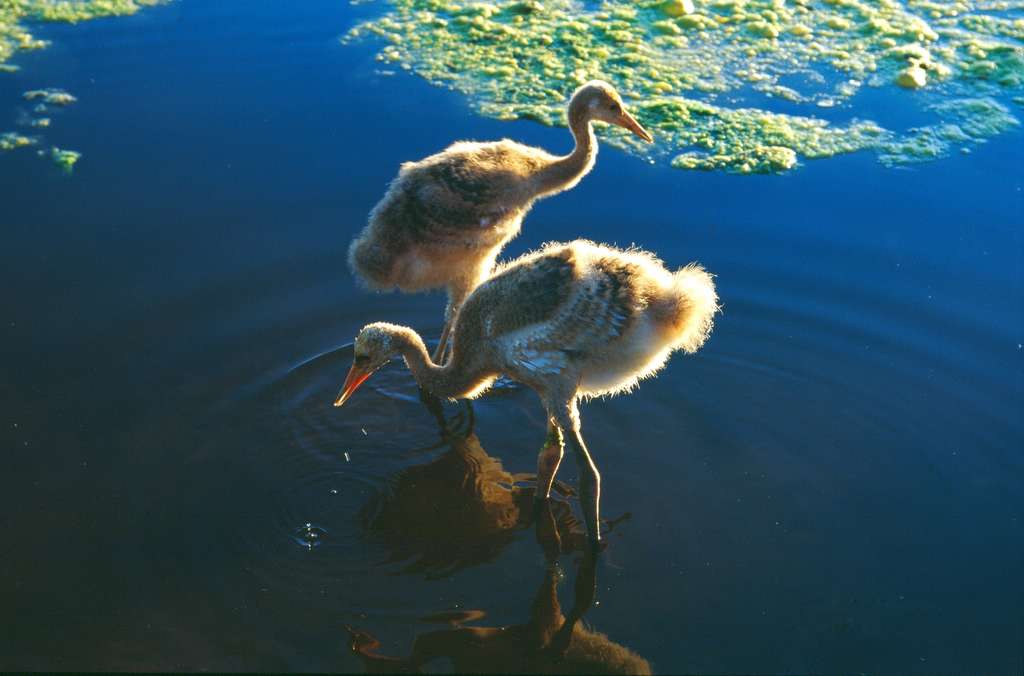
571 320
445 218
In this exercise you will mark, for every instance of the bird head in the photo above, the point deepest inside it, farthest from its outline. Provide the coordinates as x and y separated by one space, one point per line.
598 100
374 346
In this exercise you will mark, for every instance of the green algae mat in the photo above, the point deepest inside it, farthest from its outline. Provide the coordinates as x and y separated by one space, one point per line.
708 77
16 16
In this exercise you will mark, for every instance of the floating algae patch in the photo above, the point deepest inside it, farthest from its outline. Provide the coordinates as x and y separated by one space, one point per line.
56 97
15 15
752 140
65 159
966 122
15 18
11 141
683 62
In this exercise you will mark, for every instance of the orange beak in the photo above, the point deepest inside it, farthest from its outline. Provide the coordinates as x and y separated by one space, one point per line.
629 122
357 375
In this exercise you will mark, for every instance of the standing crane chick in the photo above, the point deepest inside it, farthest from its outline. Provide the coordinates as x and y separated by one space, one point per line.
445 218
571 320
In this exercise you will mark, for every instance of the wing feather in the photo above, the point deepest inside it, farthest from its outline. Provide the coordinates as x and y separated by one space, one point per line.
469 186
551 310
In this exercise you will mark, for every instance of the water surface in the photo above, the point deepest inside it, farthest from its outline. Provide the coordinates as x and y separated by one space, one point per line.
832 484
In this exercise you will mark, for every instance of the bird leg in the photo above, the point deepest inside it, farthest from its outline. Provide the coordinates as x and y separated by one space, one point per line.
589 478
456 294
432 403
548 460
442 345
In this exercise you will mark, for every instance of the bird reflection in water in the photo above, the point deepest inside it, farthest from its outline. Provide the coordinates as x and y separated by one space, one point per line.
461 510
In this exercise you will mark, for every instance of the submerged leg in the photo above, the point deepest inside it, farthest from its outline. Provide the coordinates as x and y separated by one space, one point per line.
568 419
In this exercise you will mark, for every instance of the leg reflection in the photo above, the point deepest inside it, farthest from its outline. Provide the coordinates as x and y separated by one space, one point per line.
548 642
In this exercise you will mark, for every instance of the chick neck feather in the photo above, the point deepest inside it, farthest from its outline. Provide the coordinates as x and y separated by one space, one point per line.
450 381
565 172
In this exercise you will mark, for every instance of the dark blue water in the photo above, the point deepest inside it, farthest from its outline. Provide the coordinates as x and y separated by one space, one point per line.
833 484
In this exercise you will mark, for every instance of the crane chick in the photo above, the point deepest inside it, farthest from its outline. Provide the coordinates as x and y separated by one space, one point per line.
444 219
569 321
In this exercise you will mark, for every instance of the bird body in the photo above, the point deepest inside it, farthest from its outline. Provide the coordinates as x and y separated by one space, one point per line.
445 219
610 317
570 320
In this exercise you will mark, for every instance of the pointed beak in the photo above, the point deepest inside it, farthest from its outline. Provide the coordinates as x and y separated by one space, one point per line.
629 122
357 375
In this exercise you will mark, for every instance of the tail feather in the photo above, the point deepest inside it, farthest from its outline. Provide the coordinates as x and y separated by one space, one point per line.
693 305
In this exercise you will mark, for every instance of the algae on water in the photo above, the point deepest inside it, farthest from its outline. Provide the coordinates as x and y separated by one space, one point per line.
685 63
11 140
56 97
65 159
15 14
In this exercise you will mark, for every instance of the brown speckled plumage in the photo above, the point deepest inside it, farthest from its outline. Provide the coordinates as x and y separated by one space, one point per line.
444 219
569 321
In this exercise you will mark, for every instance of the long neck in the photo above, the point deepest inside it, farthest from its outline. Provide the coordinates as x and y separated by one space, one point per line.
449 381
565 172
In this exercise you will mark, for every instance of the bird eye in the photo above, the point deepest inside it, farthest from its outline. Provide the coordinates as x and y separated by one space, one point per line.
616 108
